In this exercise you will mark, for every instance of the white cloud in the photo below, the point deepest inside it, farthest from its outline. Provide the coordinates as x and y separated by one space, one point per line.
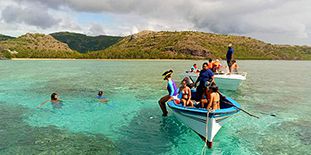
276 21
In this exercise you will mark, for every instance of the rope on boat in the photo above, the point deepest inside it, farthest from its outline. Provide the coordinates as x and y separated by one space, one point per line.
203 152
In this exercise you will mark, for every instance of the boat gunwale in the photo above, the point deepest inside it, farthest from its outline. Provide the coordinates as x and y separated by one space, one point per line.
231 110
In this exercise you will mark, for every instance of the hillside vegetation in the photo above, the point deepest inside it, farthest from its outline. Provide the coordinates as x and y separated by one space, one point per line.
5 37
148 45
37 46
186 44
84 43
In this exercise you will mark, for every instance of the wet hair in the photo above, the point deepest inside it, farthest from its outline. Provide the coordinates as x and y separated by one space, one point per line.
210 60
214 88
53 96
100 93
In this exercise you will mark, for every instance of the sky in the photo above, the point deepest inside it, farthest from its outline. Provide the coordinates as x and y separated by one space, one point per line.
273 21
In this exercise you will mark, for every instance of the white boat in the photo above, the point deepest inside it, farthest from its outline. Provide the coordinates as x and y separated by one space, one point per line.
205 124
223 81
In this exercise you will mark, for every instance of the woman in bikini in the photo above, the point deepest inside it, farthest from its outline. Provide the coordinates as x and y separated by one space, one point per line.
206 97
186 94
214 102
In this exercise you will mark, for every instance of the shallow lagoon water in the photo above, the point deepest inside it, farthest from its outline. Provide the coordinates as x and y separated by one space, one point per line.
131 122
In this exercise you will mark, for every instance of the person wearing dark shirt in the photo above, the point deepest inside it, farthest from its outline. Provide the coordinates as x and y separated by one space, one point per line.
229 56
206 75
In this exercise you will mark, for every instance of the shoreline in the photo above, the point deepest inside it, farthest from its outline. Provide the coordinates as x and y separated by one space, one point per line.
40 59
48 59
35 59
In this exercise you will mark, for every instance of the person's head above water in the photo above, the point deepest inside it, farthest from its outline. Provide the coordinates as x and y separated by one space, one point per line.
54 96
100 93
167 74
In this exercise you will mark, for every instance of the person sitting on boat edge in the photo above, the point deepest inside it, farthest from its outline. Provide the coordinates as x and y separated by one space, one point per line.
205 75
194 68
234 67
210 64
55 101
216 66
101 97
214 102
189 82
186 94
172 92
207 95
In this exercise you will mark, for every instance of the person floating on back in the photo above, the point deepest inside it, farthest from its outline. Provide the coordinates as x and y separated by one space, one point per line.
172 92
55 101
229 56
101 96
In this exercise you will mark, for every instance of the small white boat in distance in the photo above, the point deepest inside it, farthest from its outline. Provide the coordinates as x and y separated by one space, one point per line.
205 124
224 81
229 81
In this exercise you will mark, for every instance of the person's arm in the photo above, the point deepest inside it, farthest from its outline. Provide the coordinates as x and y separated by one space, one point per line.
189 96
170 84
42 104
196 82
213 81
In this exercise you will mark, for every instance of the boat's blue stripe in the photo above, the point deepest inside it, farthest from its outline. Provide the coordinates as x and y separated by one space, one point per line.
201 111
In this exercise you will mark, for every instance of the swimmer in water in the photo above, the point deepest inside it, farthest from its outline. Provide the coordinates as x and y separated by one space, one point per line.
55 101
101 97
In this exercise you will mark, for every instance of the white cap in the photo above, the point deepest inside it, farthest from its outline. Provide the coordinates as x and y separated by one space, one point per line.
230 45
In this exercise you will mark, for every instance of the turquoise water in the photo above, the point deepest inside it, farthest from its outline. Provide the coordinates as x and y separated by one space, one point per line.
131 122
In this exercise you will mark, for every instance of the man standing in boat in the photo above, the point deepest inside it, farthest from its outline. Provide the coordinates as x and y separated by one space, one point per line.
172 90
206 76
229 56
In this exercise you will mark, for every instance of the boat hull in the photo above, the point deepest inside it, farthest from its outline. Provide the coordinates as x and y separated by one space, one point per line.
229 82
223 81
203 122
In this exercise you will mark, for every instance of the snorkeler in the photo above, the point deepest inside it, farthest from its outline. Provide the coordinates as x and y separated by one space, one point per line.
101 96
55 101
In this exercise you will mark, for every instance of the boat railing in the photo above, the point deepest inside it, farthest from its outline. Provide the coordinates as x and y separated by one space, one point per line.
236 73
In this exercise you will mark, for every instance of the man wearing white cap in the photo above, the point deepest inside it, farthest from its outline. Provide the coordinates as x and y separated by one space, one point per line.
229 56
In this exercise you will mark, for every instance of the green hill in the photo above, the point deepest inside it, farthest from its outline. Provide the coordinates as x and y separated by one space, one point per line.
84 43
5 37
186 44
148 45
37 46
